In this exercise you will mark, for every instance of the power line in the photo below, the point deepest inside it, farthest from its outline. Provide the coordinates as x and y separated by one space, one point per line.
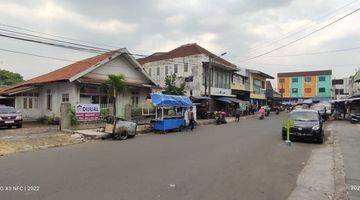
314 53
52 44
50 39
40 56
62 37
297 31
301 65
303 37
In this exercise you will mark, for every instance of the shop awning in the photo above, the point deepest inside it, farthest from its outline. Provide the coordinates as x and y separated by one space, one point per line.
231 100
159 99
201 98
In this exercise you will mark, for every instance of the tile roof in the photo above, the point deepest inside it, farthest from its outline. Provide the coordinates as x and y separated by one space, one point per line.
62 74
305 73
182 51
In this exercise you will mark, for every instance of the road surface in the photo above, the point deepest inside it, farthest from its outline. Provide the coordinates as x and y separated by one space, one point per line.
246 160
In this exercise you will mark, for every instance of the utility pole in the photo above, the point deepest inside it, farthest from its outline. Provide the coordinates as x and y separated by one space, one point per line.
210 76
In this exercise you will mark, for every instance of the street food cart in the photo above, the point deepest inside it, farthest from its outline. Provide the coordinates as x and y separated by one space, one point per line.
170 111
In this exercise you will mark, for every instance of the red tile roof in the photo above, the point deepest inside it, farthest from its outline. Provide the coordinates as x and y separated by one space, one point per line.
305 73
62 74
182 51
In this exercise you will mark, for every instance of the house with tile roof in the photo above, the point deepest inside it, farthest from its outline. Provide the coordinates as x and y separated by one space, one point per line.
190 63
78 82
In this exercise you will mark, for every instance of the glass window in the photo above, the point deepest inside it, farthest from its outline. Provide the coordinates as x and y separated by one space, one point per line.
294 80
307 79
281 80
294 90
321 78
36 102
25 103
338 81
307 90
175 68
304 116
49 99
186 67
158 71
65 97
321 90
30 103
166 70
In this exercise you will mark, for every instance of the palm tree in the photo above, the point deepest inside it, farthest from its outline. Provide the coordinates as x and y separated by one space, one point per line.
112 86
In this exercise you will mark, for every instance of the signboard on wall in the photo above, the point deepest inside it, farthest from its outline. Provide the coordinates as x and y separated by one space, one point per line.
87 112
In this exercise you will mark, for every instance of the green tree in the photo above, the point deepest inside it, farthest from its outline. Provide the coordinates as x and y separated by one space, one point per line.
171 88
112 86
9 78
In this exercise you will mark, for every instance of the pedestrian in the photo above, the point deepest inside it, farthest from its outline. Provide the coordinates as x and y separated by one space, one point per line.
237 114
191 118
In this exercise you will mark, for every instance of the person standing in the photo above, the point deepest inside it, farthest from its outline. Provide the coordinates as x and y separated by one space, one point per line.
191 118
237 114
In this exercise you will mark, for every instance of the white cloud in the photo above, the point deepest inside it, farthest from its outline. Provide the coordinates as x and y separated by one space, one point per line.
49 12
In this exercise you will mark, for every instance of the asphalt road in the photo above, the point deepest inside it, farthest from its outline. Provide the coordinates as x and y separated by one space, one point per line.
246 160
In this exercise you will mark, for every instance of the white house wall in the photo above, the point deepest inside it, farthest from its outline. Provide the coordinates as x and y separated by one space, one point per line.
57 89
119 65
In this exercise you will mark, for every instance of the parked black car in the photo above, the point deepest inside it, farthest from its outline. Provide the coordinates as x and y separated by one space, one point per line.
307 124
9 117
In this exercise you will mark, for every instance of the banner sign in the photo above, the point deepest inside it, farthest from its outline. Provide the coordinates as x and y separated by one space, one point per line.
87 112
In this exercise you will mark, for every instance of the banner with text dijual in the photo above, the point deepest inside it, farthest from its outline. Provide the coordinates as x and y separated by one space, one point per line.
87 112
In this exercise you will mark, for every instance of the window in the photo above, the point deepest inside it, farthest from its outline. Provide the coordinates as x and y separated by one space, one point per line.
294 80
338 81
158 71
282 90
135 99
30 105
65 97
321 78
25 103
339 91
294 90
166 70
321 90
307 90
186 66
49 100
175 68
281 80
36 102
257 86
307 79
149 71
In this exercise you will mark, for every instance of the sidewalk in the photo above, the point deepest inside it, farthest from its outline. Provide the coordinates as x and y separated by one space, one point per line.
349 140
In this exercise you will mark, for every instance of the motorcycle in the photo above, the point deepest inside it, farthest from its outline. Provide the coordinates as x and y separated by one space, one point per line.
220 118
261 115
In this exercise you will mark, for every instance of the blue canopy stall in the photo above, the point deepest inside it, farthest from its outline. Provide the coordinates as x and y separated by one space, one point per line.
171 120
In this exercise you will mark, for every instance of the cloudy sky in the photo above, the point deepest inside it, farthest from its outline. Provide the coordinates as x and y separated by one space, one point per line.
242 28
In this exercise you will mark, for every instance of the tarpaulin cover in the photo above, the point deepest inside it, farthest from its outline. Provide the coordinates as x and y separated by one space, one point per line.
165 100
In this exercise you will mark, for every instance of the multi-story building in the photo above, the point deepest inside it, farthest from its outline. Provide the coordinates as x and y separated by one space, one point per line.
240 85
341 88
250 85
205 73
355 84
305 85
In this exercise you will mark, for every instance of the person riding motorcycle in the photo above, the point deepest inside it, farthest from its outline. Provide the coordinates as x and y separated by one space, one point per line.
220 117
261 113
